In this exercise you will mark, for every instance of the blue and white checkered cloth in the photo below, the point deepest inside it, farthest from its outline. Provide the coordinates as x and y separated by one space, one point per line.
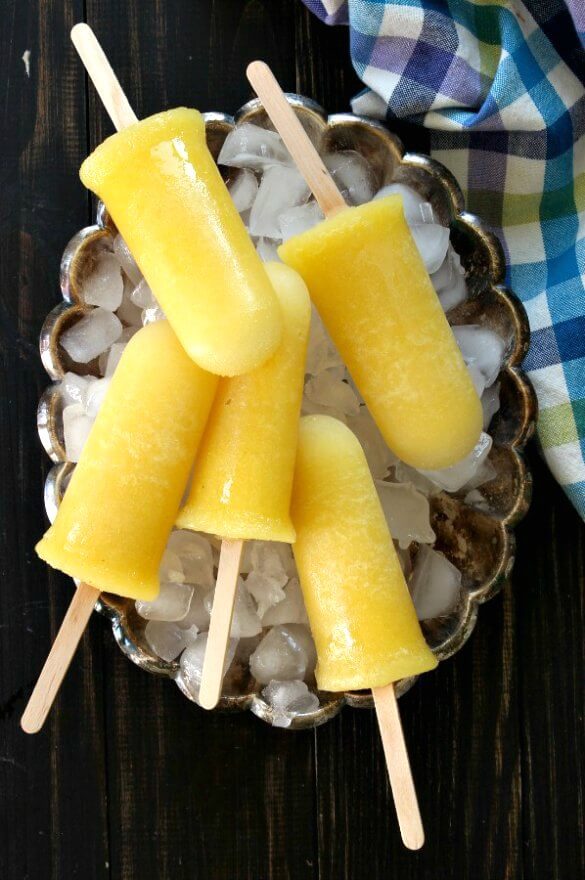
501 87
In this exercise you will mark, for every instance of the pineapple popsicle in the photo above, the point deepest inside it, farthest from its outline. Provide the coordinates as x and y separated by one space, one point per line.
120 506
169 202
243 474
362 618
244 469
371 288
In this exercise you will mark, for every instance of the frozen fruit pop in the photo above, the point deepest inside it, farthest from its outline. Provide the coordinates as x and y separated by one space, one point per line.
120 506
117 513
244 469
370 286
164 192
361 614
242 479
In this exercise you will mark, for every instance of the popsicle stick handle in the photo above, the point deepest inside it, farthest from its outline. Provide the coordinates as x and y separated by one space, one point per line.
60 656
230 557
103 77
401 781
296 139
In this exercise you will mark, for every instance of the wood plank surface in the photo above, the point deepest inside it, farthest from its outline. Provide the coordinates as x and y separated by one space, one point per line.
129 780
53 792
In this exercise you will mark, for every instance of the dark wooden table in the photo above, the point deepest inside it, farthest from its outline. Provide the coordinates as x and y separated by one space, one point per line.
129 780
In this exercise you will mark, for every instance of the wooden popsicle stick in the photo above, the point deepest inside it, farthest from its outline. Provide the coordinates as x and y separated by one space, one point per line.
83 603
60 656
398 764
221 621
297 141
102 76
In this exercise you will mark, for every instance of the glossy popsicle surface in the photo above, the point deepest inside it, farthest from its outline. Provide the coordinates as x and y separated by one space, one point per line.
120 506
361 614
168 200
370 286
244 470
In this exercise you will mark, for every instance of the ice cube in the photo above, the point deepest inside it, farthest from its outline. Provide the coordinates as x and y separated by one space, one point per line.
271 558
198 614
432 242
171 567
191 664
290 610
267 250
285 653
477 377
482 348
380 457
327 389
353 175
288 699
407 513
281 188
94 333
172 603
435 584
167 640
243 189
149 316
76 428
321 352
126 260
96 391
490 401
249 146
142 296
245 620
475 499
404 473
73 389
449 281
104 286
129 313
114 356
454 295
411 200
295 220
454 478
266 589
485 473
196 557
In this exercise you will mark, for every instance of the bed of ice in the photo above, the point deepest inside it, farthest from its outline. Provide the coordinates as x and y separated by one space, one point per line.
270 627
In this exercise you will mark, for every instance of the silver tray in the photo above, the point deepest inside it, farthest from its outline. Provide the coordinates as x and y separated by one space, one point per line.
480 542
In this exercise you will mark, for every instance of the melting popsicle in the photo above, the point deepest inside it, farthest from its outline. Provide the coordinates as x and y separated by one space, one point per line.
362 618
243 473
168 200
371 288
117 513
121 503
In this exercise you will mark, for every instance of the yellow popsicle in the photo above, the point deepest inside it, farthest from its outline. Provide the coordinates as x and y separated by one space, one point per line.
244 469
373 293
120 506
361 615
167 198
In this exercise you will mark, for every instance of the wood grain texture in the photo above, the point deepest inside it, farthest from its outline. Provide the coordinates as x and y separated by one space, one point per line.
129 780
53 794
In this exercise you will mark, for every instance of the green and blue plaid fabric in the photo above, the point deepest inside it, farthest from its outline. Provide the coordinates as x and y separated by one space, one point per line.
501 88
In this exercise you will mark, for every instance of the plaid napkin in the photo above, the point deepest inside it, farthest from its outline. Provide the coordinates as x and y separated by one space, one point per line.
500 86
